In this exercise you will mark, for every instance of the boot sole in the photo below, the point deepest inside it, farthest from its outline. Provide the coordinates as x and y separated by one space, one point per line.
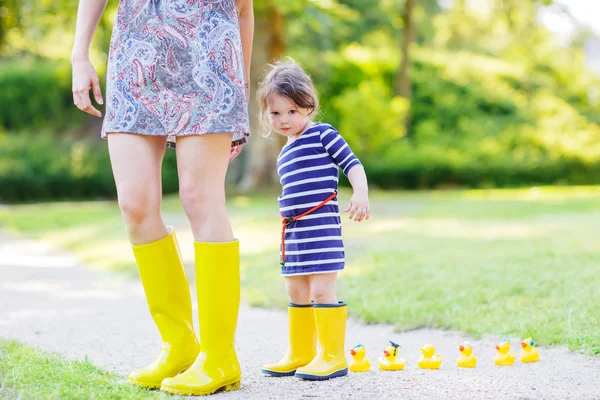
337 374
145 385
156 385
196 392
278 374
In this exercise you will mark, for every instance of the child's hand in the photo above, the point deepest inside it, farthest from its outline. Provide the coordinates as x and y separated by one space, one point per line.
234 152
359 206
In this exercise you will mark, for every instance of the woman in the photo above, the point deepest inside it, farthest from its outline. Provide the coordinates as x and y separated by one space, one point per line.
177 68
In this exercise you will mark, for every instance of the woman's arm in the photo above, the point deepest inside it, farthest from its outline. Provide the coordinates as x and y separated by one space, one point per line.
246 18
84 74
88 16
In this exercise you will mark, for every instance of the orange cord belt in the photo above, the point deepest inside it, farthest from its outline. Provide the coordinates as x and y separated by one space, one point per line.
286 221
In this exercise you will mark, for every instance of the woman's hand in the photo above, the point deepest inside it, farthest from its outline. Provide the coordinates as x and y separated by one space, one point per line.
359 206
84 79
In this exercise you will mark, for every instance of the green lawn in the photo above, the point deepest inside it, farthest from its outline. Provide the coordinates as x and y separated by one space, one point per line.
27 373
502 262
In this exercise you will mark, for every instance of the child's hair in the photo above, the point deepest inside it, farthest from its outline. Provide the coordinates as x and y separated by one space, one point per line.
287 78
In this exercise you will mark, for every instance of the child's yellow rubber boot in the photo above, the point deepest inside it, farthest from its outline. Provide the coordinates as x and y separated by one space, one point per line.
330 361
218 284
168 294
302 341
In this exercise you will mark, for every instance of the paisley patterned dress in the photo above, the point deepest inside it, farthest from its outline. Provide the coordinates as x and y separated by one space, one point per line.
176 68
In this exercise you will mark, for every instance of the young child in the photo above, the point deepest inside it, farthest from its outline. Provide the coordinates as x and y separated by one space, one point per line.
312 251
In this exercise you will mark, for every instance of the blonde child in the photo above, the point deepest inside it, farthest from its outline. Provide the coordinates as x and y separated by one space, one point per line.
312 251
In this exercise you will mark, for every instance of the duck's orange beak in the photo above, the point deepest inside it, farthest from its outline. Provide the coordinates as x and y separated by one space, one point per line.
461 348
386 353
497 347
352 352
523 345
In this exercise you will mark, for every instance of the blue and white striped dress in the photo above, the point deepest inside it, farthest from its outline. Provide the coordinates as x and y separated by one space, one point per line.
308 170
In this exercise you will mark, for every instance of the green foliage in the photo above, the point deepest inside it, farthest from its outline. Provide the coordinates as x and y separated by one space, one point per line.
378 113
37 93
42 166
46 28
495 101
475 120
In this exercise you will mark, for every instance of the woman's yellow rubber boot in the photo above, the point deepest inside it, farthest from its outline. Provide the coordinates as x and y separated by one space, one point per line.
330 361
218 285
302 346
168 294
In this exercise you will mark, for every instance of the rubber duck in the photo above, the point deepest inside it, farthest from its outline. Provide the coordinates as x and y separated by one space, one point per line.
390 362
359 363
466 359
504 356
529 353
429 360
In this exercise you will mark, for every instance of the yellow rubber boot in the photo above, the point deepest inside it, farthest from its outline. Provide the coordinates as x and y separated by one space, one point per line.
218 285
168 294
330 361
302 342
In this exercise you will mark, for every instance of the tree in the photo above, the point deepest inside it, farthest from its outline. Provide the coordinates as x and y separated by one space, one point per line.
261 153
403 82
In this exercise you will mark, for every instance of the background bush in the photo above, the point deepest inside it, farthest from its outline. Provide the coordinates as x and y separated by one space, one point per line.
36 93
43 166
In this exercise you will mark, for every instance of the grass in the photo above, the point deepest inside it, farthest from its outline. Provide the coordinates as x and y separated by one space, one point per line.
502 262
27 373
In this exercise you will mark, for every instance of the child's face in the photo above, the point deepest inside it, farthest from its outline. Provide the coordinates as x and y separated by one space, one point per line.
285 117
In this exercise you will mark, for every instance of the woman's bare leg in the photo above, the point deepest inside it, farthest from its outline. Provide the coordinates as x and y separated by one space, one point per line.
202 163
136 162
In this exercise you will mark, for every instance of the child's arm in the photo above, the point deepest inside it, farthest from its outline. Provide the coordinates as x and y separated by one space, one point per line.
344 158
359 202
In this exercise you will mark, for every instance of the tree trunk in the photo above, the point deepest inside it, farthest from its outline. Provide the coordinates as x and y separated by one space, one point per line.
404 83
276 50
261 153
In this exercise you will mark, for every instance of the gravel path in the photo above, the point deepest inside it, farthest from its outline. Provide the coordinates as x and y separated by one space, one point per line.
49 301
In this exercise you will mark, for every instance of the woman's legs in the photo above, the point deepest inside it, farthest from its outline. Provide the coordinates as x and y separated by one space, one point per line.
202 164
136 162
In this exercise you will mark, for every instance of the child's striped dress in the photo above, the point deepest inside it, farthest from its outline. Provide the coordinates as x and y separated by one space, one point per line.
308 170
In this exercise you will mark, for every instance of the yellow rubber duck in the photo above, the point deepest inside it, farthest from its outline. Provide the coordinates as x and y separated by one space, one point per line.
429 360
504 356
359 363
390 362
529 353
466 359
